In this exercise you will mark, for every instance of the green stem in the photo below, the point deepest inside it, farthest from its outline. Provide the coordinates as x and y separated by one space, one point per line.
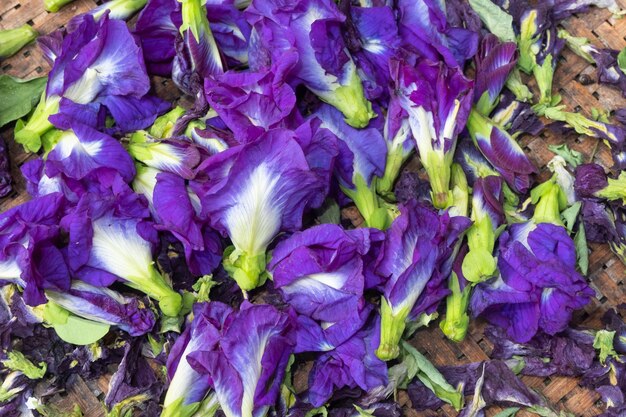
54 5
155 287
29 134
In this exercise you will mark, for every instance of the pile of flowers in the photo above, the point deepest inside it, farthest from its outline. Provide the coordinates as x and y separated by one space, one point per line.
201 251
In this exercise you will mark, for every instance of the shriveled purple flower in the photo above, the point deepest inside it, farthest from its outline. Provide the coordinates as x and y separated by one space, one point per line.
251 103
30 258
156 29
112 239
105 306
538 287
416 263
352 364
247 366
99 64
516 117
373 39
592 182
425 31
361 161
312 30
437 100
473 162
253 192
189 390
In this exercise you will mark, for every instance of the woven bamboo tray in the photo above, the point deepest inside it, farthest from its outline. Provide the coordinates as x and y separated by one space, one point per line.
606 273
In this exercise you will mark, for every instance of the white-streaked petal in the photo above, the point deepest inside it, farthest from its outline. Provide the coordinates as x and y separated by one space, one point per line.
69 143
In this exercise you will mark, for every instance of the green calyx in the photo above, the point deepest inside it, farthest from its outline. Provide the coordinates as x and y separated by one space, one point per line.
549 200
247 269
12 40
544 75
16 361
170 301
395 159
456 322
366 200
579 45
71 328
438 168
460 191
194 18
603 342
55 5
163 125
29 134
519 89
350 100
615 190
391 328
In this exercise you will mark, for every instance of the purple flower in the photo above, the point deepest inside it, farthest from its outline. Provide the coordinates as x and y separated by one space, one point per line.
416 263
176 155
253 192
591 182
5 171
425 31
502 151
111 239
157 30
516 117
105 306
99 64
361 160
197 55
608 69
372 37
247 366
189 389
352 364
30 258
251 103
538 286
83 150
437 99
494 62
312 30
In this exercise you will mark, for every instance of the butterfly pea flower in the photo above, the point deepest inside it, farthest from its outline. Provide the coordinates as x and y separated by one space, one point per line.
425 31
360 163
312 29
190 390
416 263
494 62
12 40
592 182
247 364
437 99
98 64
472 161
197 55
372 37
516 117
112 239
156 29
30 258
253 192
400 143
352 364
177 210
105 306
502 151
251 103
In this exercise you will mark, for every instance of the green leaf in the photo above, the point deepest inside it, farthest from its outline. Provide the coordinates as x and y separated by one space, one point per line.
570 215
18 97
80 331
572 157
508 412
329 212
426 372
621 60
582 252
497 20
16 361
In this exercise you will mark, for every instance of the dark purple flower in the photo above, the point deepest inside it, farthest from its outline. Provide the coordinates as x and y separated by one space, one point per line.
5 170
494 62
157 30
538 286
247 366
416 263
425 31
516 117
312 30
592 182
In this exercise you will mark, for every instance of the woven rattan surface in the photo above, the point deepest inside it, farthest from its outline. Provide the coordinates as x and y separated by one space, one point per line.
576 82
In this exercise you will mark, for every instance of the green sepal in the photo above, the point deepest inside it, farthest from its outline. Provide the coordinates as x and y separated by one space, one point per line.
368 203
54 6
29 134
350 100
549 200
570 214
582 251
544 74
571 156
527 38
621 60
615 190
247 269
459 190
455 323
395 158
519 89
391 329
202 287
581 124
577 44
12 40
163 125
603 342
16 361
438 167
479 265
